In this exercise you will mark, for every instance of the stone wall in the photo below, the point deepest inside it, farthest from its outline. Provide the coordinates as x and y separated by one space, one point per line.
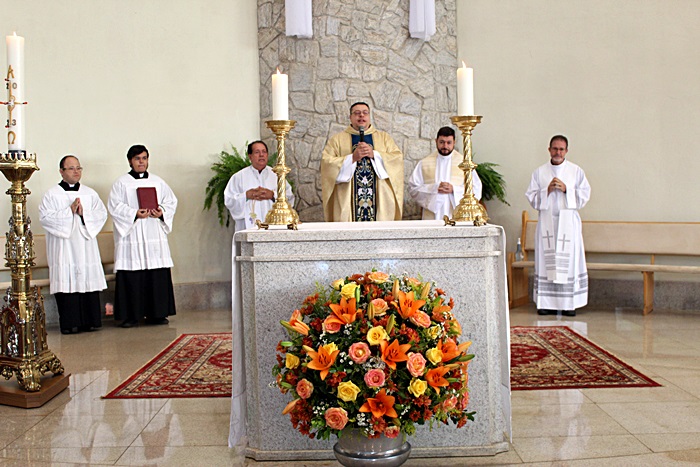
361 51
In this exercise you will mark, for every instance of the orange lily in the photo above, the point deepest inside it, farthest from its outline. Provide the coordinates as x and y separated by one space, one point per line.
296 323
345 312
321 360
394 352
408 304
380 405
289 407
449 350
439 311
436 378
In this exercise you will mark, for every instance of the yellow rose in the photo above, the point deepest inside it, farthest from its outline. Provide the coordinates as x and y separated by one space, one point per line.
347 391
434 355
376 335
348 291
331 347
417 387
292 361
338 284
434 332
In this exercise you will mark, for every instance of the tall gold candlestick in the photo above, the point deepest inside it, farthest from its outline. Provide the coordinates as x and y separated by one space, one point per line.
469 209
281 213
24 351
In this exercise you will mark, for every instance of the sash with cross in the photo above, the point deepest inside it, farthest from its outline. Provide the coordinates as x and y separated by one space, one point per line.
364 186
557 241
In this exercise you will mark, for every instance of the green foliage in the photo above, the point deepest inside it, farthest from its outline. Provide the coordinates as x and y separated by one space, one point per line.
227 165
493 184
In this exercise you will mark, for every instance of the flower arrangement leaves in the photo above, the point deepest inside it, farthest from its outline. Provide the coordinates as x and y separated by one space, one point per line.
376 352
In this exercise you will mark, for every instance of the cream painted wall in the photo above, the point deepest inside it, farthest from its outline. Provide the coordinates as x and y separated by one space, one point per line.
179 76
619 78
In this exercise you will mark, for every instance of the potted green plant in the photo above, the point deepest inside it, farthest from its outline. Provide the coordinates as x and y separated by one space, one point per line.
227 165
492 183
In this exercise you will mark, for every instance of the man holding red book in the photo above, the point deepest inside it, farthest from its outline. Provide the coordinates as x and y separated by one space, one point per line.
142 206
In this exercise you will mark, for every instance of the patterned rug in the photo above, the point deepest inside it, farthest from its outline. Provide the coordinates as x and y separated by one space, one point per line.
555 357
193 365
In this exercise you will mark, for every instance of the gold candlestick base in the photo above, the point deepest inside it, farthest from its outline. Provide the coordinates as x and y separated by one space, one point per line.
23 348
281 213
469 209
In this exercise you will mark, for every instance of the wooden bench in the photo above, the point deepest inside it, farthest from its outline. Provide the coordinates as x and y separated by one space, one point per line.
640 243
40 272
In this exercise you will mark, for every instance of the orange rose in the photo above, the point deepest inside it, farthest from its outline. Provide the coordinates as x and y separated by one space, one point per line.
380 306
336 418
378 277
420 318
305 388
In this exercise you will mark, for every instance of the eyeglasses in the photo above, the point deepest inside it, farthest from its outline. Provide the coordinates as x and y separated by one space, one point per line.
360 113
79 169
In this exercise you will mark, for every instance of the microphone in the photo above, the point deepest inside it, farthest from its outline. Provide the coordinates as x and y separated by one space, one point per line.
362 134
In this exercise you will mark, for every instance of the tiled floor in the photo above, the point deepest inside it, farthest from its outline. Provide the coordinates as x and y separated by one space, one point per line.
597 427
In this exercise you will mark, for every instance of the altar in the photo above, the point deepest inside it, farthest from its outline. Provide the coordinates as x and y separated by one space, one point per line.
276 269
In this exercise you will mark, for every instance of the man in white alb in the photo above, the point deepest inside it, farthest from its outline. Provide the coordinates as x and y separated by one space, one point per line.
72 215
558 189
142 259
251 192
437 182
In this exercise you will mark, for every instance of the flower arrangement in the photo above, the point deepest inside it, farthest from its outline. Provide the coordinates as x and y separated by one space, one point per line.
375 352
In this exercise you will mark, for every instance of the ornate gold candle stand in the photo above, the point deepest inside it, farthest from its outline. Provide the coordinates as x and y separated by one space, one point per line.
469 209
281 213
24 350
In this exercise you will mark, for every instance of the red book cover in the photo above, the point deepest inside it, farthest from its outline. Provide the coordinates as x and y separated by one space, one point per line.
148 199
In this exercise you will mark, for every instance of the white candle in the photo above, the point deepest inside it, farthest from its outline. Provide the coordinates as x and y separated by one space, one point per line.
280 98
15 92
465 90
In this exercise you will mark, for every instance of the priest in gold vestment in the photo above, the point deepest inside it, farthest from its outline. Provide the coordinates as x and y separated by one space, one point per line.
362 173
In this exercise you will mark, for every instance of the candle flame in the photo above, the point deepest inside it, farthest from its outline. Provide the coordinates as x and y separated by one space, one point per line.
464 65
14 33
278 70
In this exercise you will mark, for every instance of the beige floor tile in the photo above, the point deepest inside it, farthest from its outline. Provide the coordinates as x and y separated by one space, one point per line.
89 402
196 405
83 431
550 449
656 417
185 430
667 392
195 456
661 442
87 455
573 420
563 396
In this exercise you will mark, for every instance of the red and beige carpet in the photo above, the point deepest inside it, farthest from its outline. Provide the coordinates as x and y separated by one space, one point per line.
542 357
193 365
555 357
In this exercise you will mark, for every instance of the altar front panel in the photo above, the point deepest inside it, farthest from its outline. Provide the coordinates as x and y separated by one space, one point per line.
278 269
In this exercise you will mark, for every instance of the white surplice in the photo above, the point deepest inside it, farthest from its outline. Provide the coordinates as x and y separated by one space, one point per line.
71 245
425 192
141 243
561 277
246 211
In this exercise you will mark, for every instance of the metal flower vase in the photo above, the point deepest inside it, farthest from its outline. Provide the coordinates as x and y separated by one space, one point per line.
354 449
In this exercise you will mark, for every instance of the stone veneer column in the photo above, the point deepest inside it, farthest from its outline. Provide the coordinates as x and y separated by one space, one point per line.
361 51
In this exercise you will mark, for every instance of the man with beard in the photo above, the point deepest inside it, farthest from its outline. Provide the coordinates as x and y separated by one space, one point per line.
437 182
142 259
361 173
